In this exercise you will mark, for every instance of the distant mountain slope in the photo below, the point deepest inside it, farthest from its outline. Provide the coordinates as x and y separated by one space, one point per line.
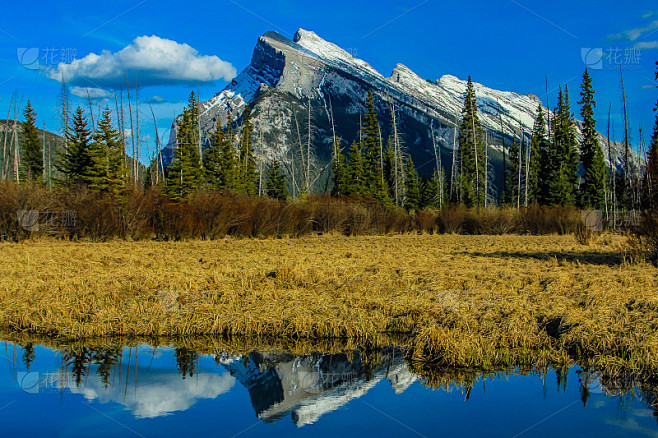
285 77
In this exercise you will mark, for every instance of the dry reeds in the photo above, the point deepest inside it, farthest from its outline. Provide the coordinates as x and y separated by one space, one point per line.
484 301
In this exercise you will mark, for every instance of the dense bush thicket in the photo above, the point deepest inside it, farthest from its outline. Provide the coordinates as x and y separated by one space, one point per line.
82 214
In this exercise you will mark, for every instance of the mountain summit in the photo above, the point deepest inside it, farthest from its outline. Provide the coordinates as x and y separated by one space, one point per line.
289 80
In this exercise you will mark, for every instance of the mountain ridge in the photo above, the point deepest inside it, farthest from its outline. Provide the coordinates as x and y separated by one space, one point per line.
285 76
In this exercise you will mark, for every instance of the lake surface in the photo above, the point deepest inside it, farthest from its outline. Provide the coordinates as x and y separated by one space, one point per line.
144 391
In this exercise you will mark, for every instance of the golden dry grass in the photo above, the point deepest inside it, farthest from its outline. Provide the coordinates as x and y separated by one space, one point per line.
482 301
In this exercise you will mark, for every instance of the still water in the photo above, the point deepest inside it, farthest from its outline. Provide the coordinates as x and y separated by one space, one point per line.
145 391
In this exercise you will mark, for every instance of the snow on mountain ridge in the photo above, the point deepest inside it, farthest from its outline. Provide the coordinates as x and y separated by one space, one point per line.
284 75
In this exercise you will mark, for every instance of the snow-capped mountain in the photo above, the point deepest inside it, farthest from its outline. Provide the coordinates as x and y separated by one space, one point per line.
287 81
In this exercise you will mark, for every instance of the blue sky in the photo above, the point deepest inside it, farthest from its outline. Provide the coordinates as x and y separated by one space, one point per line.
504 44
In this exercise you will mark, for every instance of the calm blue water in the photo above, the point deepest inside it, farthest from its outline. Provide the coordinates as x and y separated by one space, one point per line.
164 391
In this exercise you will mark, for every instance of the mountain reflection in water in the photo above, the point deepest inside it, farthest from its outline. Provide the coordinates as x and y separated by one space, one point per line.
154 383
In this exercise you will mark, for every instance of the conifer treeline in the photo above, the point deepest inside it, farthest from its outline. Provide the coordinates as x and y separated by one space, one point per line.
548 168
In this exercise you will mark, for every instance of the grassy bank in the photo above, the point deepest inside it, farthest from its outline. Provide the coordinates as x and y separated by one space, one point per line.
480 301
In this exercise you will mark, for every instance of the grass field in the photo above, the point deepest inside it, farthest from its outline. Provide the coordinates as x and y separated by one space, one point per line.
478 301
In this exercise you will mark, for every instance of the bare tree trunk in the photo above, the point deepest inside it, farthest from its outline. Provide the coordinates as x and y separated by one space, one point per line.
609 182
396 153
527 168
260 156
158 156
15 141
623 94
301 151
453 176
198 127
132 133
91 111
136 159
486 169
65 113
5 156
43 153
614 189
518 192
308 150
548 112
437 158
477 168
502 140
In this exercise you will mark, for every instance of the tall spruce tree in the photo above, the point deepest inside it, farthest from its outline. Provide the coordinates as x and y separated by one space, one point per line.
248 175
356 182
32 159
339 169
592 191
371 148
511 193
229 160
471 152
212 159
538 145
107 172
412 198
562 157
184 174
74 162
276 182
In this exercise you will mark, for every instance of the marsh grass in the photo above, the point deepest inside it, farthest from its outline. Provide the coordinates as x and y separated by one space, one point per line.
467 301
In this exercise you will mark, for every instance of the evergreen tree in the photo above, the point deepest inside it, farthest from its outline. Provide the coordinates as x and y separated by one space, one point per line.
412 199
107 172
276 182
229 160
562 158
212 159
193 130
74 162
371 150
184 173
511 193
471 152
389 168
592 191
32 159
356 182
538 147
339 168
248 175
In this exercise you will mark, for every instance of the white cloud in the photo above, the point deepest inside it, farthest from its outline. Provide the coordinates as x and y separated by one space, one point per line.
633 34
158 393
150 59
646 45
94 93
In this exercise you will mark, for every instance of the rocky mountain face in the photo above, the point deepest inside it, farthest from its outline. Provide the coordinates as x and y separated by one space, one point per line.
289 82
